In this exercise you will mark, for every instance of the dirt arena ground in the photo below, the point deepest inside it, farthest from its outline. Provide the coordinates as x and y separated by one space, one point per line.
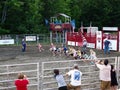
13 55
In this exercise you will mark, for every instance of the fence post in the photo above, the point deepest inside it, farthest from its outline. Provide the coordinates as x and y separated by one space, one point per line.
51 36
118 71
37 38
17 40
38 75
7 75
42 74
116 62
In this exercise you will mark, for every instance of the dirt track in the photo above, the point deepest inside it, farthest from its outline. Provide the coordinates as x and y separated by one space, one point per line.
13 55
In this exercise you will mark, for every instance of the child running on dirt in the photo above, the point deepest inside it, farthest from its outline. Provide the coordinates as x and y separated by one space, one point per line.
40 48
92 56
53 49
79 55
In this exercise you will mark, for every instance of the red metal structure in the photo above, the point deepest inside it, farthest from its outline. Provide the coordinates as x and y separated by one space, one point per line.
88 33
60 24
95 39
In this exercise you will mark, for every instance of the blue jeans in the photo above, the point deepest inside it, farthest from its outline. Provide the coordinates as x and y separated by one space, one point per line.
106 50
23 48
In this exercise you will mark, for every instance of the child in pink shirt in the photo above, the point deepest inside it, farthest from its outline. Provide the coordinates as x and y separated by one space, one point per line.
40 48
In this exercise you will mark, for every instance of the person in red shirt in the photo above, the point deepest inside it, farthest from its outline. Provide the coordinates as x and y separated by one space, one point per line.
22 82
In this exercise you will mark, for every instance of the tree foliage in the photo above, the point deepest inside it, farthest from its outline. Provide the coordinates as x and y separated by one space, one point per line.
28 16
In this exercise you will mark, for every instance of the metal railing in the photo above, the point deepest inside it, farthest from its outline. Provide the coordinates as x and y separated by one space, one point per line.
8 74
44 79
40 38
90 77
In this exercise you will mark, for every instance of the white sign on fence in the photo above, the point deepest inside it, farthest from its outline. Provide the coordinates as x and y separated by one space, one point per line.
7 41
71 43
30 38
113 44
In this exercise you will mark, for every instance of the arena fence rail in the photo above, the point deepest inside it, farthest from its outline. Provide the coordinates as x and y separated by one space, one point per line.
44 79
90 78
8 74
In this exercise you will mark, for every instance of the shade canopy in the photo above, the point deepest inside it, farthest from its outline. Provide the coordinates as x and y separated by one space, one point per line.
62 14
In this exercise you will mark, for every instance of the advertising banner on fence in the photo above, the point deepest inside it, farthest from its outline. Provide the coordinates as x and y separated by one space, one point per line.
72 43
30 38
113 45
6 41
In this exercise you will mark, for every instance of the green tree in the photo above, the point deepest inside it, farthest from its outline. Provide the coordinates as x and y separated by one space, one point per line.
53 7
23 16
28 16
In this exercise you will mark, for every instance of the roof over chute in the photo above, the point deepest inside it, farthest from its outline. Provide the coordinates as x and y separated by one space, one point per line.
66 18
60 22
62 14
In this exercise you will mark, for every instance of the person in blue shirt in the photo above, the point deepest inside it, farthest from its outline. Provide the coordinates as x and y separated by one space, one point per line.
106 46
60 80
23 45
65 50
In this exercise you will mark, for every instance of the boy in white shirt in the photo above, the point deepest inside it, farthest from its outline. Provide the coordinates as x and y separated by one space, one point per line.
75 80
